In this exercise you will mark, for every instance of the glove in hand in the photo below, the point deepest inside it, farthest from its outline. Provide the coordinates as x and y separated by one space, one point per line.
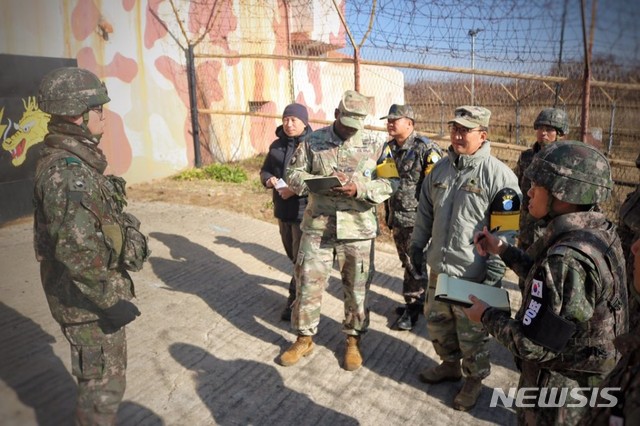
121 314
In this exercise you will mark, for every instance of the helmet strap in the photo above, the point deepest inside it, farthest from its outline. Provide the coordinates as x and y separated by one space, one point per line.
85 126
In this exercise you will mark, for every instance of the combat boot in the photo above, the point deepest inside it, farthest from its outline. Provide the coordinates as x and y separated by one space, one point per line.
303 346
466 399
409 317
352 356
447 371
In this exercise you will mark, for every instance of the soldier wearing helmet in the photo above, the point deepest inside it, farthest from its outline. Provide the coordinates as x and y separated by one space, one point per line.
84 241
629 232
574 299
626 375
550 125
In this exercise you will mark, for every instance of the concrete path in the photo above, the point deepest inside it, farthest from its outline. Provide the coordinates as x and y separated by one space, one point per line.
204 350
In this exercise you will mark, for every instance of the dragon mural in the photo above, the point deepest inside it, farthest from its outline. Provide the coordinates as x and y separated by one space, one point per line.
29 131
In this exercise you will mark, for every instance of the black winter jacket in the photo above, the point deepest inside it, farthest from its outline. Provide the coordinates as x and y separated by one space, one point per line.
275 164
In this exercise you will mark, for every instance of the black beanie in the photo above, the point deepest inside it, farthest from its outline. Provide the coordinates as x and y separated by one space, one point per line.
298 111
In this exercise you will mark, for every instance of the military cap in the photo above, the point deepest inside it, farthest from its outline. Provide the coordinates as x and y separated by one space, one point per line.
471 116
353 108
399 111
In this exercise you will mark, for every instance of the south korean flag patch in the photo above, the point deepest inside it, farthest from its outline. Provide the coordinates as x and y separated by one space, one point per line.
536 288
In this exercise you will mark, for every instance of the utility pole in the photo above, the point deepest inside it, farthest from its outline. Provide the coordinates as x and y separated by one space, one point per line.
473 34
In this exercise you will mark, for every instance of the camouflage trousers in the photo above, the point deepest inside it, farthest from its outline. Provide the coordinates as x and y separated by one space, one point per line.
290 234
312 270
413 290
532 376
99 362
454 336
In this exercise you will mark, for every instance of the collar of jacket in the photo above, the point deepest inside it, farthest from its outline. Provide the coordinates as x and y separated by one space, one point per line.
562 224
461 162
407 145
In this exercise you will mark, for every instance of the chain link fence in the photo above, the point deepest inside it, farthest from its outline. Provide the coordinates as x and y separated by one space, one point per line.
515 57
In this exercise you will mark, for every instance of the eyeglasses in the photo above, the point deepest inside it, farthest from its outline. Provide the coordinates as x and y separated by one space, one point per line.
462 131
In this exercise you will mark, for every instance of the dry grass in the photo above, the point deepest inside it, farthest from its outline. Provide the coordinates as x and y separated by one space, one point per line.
249 198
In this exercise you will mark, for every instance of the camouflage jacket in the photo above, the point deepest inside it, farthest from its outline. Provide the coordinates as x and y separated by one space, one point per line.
414 160
454 204
527 232
74 205
323 153
629 232
574 286
626 376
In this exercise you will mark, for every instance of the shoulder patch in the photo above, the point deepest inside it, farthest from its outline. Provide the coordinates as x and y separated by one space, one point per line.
536 288
71 160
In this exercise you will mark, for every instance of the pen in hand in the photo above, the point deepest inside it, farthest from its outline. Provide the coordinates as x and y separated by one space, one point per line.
496 229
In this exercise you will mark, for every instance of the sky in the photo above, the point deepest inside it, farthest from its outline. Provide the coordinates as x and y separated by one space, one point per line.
512 35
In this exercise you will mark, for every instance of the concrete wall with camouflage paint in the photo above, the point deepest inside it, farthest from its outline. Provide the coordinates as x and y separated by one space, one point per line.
133 46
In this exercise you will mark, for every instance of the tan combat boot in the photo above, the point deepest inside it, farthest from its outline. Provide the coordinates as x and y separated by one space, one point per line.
303 346
447 371
468 395
352 356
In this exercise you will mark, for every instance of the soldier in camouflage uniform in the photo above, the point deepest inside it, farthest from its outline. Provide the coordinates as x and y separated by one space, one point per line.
340 221
574 300
550 125
414 156
456 200
626 375
629 235
85 242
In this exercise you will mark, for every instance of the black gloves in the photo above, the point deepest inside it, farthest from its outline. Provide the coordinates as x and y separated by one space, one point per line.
495 271
121 314
416 256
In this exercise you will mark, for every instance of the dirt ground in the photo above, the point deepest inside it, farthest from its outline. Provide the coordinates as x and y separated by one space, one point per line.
249 198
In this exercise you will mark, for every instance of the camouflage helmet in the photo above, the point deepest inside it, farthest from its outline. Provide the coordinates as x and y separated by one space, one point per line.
553 117
573 172
71 91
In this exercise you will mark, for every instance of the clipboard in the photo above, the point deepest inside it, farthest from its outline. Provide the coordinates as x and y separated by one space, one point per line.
322 184
457 290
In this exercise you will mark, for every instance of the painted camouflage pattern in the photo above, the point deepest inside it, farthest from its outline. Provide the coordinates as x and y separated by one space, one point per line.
578 286
573 172
629 232
322 154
